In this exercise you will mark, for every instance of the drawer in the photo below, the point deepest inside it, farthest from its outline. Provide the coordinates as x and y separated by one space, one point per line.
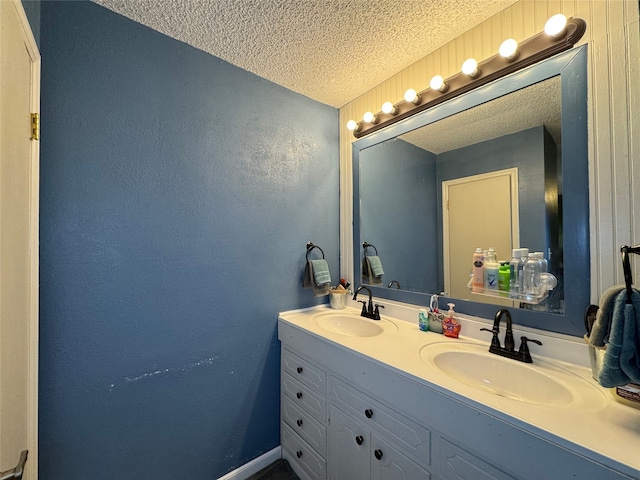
304 396
456 463
406 434
298 452
303 371
304 425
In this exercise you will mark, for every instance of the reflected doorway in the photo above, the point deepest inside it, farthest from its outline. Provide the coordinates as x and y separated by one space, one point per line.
478 211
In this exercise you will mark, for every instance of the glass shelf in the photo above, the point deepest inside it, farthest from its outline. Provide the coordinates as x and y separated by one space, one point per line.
547 282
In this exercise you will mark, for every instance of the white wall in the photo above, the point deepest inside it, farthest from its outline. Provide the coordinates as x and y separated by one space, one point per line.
613 35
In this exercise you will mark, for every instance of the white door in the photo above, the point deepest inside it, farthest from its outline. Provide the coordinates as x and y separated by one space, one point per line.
19 97
478 211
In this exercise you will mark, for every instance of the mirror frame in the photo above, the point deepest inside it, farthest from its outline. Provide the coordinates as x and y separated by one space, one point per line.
571 66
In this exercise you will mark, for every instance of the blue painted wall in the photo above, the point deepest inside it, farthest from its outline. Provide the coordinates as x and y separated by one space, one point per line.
177 195
32 9
397 185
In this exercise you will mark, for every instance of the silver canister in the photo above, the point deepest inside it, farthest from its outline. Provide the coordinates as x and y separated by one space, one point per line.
596 359
338 299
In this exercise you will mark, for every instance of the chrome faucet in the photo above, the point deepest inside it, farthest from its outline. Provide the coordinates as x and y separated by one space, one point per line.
368 310
508 350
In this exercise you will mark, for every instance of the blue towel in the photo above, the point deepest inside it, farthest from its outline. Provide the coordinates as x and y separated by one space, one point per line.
602 326
321 275
375 265
621 363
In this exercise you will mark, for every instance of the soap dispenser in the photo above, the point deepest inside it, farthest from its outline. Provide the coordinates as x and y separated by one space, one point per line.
450 325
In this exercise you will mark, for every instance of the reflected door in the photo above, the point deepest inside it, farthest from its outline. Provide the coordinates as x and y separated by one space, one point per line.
478 211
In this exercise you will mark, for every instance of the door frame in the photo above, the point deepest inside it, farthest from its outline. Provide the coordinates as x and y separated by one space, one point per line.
31 473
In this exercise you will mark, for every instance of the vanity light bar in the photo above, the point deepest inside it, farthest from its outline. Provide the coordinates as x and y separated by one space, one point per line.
529 51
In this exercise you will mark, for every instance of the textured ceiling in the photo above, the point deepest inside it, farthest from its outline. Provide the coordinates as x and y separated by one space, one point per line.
330 50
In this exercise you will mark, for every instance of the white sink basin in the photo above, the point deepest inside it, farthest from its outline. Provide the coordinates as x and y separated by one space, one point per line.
536 384
352 325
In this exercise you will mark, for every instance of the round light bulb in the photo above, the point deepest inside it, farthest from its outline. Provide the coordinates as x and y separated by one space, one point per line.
438 83
369 117
555 26
412 96
470 67
352 125
509 49
388 107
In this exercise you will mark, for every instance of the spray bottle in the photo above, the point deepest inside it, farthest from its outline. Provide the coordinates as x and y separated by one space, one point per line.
477 284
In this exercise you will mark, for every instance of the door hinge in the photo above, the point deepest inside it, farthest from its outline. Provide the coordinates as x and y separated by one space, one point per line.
35 126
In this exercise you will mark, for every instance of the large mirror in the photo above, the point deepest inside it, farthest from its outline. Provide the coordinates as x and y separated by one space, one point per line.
503 166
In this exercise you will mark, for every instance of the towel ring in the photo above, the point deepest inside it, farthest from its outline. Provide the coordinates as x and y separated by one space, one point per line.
366 245
626 267
311 246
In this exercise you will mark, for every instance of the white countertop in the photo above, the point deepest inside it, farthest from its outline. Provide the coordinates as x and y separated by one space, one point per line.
595 421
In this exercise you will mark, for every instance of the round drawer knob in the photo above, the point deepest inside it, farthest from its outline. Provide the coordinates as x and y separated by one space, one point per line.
299 453
299 394
359 439
378 454
299 369
368 412
299 422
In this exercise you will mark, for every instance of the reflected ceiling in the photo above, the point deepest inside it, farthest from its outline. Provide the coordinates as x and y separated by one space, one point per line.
502 116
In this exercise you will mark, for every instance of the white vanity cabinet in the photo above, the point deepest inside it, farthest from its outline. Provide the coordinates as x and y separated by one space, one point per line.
348 416
370 440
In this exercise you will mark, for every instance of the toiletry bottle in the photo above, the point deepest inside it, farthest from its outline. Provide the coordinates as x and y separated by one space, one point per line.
490 255
491 270
531 274
524 254
423 320
477 283
513 272
544 265
504 279
450 325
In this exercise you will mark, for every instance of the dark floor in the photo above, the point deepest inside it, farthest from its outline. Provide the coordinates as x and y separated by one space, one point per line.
278 470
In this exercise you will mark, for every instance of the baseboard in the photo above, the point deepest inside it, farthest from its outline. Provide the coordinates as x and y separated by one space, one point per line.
254 465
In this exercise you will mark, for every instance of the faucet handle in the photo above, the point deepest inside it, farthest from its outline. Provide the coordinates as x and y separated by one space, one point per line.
364 307
495 341
524 348
376 313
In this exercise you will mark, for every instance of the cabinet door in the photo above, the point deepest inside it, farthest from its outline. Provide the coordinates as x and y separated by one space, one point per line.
408 436
348 447
387 463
